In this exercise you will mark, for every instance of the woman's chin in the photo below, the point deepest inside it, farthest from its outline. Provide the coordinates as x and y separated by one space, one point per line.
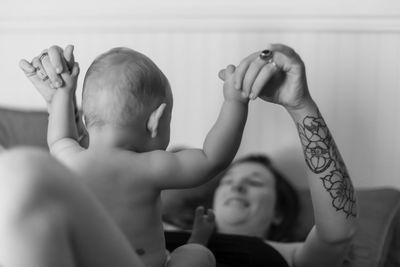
235 215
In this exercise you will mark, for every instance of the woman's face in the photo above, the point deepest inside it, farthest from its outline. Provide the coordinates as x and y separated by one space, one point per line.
244 202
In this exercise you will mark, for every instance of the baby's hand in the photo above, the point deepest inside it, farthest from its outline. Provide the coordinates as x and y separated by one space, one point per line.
70 78
203 226
230 92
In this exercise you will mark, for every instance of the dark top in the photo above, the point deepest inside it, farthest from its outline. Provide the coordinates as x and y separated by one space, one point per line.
234 250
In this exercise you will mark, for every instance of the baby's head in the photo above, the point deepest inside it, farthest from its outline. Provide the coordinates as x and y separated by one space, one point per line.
124 90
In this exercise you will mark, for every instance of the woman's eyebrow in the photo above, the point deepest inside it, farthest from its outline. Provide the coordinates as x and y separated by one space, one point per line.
256 174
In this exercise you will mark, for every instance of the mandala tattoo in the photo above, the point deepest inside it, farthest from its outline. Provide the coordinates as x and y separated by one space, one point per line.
321 153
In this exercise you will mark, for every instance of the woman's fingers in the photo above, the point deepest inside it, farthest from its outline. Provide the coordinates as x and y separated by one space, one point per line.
49 69
27 68
40 71
242 69
254 72
251 75
57 61
286 58
32 72
262 79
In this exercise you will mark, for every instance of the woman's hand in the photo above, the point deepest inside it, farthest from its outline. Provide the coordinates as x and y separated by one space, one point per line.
45 71
279 78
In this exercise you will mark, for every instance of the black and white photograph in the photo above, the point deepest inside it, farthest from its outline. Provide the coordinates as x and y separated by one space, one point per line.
187 133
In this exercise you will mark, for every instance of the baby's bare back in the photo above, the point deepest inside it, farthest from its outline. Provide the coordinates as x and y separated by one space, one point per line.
121 185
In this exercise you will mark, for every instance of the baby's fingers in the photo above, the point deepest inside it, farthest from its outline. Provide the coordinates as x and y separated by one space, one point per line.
199 211
226 73
229 71
71 78
221 74
210 215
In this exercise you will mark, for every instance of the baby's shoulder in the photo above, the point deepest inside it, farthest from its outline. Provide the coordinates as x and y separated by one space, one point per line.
154 158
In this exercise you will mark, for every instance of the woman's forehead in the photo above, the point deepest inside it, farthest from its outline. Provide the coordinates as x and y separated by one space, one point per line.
244 169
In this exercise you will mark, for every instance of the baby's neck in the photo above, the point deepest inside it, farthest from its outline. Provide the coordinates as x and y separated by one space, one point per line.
111 137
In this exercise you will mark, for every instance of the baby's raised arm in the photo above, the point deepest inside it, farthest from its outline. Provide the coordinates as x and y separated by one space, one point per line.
191 167
62 133
57 85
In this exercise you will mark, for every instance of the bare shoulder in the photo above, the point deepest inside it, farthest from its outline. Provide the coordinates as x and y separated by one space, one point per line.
287 250
153 163
154 158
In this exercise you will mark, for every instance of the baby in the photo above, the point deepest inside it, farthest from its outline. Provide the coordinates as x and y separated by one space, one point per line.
127 104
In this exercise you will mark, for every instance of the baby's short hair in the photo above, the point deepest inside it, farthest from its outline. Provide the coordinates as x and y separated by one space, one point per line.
119 86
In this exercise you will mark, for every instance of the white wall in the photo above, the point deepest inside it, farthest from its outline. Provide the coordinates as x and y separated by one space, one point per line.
351 50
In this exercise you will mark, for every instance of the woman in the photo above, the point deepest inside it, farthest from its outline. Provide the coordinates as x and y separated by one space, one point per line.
252 188
247 202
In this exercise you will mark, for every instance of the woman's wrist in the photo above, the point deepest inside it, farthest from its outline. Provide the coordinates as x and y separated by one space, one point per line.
306 108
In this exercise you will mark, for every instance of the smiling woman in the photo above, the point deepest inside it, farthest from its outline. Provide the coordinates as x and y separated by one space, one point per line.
254 198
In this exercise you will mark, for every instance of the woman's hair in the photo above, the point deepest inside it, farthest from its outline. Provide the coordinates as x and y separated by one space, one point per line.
287 202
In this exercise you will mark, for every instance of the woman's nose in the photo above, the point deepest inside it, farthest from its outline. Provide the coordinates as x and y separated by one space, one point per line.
238 187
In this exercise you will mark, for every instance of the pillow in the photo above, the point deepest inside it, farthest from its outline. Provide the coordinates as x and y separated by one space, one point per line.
19 127
378 223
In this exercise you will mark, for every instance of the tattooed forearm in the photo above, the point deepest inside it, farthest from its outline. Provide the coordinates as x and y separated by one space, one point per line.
322 157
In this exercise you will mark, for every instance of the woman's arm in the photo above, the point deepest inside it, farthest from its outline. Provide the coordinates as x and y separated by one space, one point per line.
277 75
332 193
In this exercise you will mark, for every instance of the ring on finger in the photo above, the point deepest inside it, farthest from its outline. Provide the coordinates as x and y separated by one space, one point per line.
268 57
42 56
31 73
42 74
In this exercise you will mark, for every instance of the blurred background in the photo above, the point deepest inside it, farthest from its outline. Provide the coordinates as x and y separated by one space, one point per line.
351 50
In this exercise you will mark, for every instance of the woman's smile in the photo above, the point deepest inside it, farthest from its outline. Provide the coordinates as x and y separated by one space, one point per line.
236 201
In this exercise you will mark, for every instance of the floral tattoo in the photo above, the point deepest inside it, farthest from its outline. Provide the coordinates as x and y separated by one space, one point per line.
321 153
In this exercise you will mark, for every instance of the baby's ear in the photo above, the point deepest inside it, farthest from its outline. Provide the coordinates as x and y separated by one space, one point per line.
154 119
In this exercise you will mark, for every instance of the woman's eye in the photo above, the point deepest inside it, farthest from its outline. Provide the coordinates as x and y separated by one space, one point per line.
255 183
